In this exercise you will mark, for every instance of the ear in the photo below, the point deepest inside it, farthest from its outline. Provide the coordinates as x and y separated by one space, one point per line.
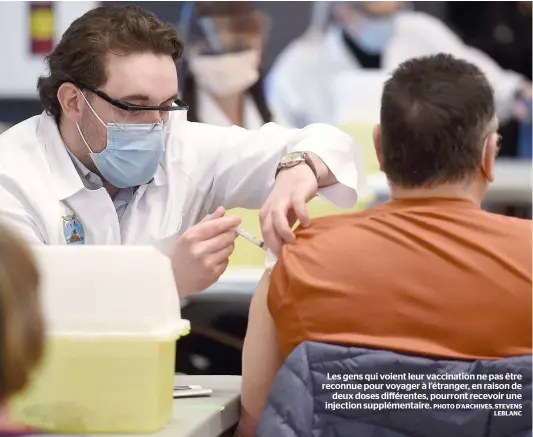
376 135
488 157
71 101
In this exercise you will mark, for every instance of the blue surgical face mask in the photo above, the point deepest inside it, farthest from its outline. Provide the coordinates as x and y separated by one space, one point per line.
132 153
374 35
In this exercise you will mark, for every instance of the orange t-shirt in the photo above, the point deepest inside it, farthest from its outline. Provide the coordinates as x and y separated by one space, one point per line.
431 277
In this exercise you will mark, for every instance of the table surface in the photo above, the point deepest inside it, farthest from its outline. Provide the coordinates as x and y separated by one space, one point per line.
206 416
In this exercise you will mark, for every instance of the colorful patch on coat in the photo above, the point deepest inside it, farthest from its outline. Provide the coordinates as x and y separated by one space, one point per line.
73 230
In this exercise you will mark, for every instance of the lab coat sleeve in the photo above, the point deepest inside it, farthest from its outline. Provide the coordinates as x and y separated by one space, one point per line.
506 83
246 161
15 213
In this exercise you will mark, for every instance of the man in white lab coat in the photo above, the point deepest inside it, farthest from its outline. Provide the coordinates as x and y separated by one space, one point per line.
372 36
114 161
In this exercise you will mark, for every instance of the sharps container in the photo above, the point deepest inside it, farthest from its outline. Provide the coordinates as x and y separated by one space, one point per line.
113 317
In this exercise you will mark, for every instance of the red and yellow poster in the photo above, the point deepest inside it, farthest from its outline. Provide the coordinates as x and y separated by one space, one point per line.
41 27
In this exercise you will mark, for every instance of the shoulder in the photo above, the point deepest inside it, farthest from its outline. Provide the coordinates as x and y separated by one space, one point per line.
509 224
308 260
19 137
20 145
326 236
26 172
318 236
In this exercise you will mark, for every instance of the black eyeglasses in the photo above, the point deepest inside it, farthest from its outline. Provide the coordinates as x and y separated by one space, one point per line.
178 105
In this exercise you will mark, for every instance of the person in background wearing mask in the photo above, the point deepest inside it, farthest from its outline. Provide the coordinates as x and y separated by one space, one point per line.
222 82
21 324
370 35
221 77
503 30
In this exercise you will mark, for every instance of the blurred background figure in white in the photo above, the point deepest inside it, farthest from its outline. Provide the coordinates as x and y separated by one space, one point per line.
375 36
503 31
222 78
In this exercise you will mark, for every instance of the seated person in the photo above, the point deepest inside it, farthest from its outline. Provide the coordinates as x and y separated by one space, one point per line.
428 273
21 324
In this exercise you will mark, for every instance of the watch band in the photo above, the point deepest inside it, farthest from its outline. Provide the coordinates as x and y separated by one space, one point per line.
311 165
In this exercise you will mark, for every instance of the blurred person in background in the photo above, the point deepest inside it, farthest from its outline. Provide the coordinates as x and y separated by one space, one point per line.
221 78
21 324
222 82
447 270
503 30
372 36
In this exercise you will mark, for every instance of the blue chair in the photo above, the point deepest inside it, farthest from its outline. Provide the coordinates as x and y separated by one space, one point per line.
299 403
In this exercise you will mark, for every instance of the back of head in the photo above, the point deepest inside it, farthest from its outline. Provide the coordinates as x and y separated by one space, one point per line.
437 114
80 56
21 323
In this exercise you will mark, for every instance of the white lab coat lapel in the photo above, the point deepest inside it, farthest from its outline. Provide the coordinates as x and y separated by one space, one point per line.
209 112
94 209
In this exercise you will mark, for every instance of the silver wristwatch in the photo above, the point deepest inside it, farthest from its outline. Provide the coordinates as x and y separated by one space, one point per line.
293 159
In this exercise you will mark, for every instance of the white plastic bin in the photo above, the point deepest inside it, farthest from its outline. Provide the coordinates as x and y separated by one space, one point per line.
113 317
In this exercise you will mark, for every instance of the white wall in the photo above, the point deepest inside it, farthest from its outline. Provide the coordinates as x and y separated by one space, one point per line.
19 69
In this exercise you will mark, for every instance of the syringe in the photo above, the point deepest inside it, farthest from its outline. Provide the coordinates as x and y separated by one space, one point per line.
250 238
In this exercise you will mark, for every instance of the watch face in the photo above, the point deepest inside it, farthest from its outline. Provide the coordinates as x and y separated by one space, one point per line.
292 159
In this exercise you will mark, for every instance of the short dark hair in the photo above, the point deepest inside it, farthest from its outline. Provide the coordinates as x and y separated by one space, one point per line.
435 113
80 55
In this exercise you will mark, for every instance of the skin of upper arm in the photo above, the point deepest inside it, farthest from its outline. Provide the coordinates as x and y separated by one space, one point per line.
261 359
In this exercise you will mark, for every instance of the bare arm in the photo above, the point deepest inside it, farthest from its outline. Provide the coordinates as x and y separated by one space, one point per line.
261 359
